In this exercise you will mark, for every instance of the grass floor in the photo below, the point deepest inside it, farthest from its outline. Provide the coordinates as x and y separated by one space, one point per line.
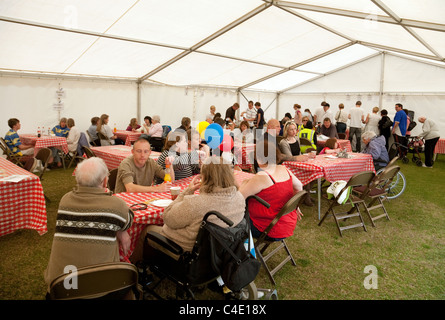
408 251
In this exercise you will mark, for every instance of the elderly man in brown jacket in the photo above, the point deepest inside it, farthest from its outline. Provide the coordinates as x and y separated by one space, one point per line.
91 223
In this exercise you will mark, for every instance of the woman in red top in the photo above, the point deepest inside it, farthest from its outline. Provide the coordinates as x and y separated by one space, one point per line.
276 185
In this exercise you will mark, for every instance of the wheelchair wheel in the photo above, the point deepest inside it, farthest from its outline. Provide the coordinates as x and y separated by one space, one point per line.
250 292
419 162
397 186
405 160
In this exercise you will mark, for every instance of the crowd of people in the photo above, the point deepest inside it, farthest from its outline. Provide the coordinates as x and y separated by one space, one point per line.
185 154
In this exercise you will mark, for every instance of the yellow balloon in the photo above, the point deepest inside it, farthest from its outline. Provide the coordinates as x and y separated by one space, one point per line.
202 126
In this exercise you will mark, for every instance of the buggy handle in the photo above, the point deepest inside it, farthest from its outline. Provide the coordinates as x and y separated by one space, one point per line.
263 202
220 216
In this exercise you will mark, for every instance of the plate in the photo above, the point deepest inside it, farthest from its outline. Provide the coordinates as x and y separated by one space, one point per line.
161 203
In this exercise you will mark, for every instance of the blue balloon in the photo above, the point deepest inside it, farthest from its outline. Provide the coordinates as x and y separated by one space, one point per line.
213 135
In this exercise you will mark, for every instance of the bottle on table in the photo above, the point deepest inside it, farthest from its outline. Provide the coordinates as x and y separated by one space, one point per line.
115 128
167 177
38 132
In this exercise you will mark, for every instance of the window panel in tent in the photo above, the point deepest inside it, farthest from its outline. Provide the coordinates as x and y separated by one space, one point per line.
338 59
283 81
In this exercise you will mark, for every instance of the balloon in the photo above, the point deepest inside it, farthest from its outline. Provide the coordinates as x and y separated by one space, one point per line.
202 126
214 135
227 144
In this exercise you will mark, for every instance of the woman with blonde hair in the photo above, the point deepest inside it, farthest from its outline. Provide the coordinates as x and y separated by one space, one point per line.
372 121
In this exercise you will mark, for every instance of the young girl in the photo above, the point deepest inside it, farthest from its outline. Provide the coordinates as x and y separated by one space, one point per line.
331 146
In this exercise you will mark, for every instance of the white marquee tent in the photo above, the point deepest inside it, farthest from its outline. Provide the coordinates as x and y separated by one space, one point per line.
175 58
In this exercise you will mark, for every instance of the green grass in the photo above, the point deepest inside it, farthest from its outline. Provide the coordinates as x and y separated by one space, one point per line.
408 251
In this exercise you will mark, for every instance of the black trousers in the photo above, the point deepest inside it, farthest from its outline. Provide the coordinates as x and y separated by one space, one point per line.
430 144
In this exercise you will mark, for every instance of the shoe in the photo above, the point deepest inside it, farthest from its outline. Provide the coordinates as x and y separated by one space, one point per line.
425 166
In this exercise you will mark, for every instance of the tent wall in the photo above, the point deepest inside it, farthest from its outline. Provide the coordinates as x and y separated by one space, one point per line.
31 101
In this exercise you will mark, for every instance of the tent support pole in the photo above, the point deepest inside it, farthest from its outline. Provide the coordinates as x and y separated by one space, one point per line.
138 106
382 80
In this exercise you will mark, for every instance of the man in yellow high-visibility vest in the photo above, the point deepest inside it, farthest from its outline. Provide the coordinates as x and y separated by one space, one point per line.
308 133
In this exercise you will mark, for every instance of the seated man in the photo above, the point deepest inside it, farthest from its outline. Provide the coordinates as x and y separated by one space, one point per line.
137 172
80 237
308 133
328 130
13 140
61 130
376 147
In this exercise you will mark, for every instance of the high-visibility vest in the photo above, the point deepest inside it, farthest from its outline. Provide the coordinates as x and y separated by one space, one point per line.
308 134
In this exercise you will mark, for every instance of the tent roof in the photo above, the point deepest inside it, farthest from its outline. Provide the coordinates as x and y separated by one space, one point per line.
249 44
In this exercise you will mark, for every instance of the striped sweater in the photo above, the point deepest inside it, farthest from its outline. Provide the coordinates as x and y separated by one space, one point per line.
87 222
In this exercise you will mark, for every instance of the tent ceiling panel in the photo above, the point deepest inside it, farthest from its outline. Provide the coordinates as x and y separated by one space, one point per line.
282 81
435 39
369 30
416 10
364 6
39 50
264 45
338 59
365 75
202 69
96 15
123 59
180 22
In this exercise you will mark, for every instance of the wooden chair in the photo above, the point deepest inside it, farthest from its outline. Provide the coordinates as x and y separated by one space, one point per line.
30 164
112 279
88 152
359 179
112 180
44 154
91 139
263 242
103 137
378 193
14 158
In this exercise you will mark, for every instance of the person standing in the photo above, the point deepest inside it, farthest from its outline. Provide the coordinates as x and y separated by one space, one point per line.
355 127
372 121
250 115
385 125
260 116
298 115
430 132
400 124
322 113
230 113
341 117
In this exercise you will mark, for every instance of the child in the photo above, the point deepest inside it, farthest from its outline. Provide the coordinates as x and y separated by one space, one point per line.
331 146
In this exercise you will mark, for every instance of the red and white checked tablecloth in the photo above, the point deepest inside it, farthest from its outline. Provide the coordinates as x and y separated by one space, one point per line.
113 155
44 142
342 144
22 204
153 214
127 136
440 147
330 169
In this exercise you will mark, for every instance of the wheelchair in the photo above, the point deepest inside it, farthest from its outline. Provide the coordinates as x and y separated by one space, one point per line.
398 184
192 272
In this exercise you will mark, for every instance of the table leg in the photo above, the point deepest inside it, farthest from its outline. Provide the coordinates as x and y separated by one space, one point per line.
319 196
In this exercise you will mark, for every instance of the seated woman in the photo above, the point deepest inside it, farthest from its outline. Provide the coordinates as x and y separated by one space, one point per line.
104 129
276 185
185 163
289 145
218 191
331 146
133 126
376 147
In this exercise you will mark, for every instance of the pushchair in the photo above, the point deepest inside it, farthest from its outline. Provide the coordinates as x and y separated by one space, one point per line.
416 146
195 271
